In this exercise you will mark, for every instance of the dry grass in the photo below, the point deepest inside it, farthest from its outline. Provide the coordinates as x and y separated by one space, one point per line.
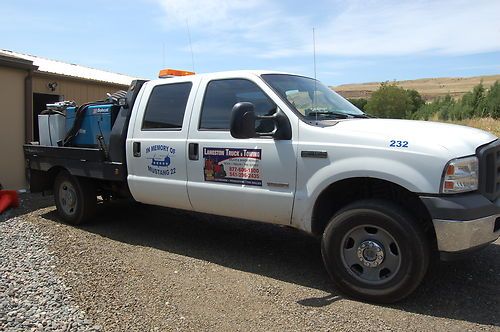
487 124
429 88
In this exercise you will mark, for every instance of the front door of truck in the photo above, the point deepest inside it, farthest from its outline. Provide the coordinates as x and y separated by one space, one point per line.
244 178
156 143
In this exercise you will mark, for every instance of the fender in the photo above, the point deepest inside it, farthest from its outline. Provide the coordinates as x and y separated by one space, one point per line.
395 171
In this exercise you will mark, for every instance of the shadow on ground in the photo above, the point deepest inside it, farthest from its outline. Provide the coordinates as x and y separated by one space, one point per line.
466 290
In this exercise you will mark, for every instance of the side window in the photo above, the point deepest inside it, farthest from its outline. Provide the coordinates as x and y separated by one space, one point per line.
220 97
166 106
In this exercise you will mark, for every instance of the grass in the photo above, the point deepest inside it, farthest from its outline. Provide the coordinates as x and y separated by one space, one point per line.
488 124
429 88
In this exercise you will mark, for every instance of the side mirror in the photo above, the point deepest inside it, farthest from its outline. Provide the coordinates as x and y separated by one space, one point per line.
242 124
243 118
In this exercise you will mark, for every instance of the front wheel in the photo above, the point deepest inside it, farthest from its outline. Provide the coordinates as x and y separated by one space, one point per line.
75 198
375 251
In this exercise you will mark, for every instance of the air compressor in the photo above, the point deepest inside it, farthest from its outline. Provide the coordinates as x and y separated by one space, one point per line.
88 125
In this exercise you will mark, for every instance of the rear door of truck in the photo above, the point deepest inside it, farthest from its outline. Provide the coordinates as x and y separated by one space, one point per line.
156 142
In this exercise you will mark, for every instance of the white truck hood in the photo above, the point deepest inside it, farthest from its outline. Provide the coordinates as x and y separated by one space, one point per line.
458 140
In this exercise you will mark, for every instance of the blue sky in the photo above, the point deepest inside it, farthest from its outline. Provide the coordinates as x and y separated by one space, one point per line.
356 40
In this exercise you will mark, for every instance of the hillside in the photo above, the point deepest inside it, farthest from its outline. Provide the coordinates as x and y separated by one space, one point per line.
429 88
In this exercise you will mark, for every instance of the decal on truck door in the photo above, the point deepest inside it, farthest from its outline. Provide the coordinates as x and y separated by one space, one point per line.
228 165
161 159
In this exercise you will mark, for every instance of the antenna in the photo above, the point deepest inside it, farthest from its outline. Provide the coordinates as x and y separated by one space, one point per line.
163 57
190 45
314 52
314 61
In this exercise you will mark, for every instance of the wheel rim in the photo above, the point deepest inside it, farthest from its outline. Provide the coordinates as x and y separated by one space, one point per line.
67 198
371 254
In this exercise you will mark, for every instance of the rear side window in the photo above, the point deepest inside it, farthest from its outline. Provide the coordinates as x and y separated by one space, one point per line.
220 97
166 106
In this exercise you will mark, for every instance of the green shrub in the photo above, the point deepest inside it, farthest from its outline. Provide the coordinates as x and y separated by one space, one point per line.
358 102
392 101
416 102
492 101
389 101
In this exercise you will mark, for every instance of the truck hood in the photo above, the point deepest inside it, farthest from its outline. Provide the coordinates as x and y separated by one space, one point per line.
458 140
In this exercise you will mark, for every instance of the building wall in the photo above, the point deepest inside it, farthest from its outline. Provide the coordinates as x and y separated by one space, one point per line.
12 173
12 114
80 91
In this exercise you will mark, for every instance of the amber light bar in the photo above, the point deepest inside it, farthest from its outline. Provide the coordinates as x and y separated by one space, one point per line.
174 72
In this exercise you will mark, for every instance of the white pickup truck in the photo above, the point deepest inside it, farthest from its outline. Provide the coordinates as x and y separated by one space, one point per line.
385 196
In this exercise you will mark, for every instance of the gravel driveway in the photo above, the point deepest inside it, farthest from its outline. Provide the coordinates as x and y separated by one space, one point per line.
141 268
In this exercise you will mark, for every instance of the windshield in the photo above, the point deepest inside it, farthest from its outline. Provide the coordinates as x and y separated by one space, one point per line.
311 98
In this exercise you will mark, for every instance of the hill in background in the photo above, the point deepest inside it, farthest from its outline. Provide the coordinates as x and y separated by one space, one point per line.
429 88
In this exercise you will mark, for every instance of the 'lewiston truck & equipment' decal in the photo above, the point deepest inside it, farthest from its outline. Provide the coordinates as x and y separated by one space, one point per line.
238 166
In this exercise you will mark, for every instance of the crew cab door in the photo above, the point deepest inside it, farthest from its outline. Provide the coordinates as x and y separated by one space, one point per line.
156 142
245 178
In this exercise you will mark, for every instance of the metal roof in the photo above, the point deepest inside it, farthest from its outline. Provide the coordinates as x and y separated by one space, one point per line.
69 69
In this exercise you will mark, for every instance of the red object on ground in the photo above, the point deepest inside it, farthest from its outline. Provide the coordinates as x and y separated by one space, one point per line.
8 198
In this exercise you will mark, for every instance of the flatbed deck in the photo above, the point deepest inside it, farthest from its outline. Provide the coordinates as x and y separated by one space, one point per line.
86 162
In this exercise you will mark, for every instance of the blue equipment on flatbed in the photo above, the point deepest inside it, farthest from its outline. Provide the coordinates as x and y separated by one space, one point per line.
90 125
96 123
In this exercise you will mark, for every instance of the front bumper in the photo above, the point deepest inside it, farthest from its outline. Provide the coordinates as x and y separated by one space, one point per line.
463 222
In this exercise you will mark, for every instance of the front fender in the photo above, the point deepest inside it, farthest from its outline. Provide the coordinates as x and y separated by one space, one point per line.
403 173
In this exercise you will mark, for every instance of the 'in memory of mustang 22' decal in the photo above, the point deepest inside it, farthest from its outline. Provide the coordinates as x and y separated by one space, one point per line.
161 159
230 165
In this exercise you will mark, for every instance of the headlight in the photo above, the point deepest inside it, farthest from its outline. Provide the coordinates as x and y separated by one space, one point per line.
460 175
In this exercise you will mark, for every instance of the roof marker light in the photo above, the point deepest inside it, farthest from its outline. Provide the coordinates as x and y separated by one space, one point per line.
164 73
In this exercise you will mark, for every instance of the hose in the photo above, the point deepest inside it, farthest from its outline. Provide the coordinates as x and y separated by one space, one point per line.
77 124
49 112
73 132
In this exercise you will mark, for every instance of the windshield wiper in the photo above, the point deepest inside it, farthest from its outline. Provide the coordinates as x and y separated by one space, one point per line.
331 113
360 116
340 115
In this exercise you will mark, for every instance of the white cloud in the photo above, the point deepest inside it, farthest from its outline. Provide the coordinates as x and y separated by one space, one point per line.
269 29
251 27
216 15
408 27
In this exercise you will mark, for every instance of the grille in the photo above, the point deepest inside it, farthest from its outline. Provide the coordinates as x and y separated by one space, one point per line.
489 170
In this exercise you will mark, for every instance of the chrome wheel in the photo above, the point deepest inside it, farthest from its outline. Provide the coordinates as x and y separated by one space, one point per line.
371 254
68 198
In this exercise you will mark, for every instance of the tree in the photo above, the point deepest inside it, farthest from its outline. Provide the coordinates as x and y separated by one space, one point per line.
446 109
474 101
416 102
358 102
492 100
389 101
479 102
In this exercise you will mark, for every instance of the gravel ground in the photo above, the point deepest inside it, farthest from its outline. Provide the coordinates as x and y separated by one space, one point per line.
32 296
140 268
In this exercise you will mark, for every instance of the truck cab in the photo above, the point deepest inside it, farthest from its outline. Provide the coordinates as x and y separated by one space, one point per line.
384 196
254 177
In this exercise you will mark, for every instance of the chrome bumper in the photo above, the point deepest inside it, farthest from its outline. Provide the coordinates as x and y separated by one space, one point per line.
458 235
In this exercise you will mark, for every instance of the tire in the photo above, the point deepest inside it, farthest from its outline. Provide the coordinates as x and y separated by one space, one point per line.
75 198
375 251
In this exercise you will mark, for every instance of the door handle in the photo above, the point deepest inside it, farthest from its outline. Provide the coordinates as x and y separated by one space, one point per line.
193 151
136 148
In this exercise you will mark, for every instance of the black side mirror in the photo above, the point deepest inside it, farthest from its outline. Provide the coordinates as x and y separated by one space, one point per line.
243 118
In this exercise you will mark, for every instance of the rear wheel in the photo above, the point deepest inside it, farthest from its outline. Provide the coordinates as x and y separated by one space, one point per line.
75 198
375 251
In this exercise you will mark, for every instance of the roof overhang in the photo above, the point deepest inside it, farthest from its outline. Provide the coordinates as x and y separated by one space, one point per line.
14 62
44 74
44 65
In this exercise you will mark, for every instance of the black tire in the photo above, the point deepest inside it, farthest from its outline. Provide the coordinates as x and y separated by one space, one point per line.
75 198
390 246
